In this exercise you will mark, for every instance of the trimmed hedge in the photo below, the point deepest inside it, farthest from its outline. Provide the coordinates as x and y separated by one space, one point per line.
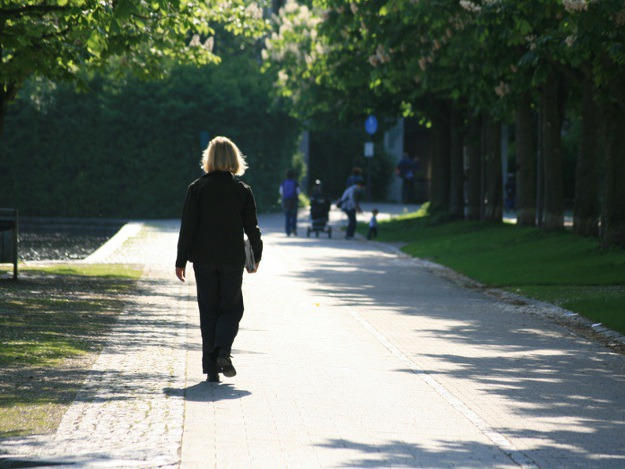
131 149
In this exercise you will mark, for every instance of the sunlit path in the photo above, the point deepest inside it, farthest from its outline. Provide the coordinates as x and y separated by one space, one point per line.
354 357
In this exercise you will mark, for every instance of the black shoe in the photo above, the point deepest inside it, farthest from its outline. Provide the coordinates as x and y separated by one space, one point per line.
224 365
212 377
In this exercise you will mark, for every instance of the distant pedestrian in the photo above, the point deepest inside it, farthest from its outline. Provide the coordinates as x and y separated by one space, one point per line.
350 204
510 191
373 224
217 210
407 171
354 177
289 191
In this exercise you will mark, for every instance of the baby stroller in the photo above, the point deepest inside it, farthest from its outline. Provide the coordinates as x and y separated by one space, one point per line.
319 212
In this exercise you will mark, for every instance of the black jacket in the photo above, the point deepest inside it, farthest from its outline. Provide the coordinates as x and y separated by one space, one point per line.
217 210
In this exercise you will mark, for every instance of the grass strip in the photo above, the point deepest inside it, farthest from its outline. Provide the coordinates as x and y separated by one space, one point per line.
558 267
53 321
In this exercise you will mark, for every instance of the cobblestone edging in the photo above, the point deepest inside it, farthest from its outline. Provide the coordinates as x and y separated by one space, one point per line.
130 410
521 303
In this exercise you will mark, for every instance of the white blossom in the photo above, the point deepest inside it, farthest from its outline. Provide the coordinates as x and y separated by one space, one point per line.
470 6
382 54
254 11
291 6
502 89
195 41
575 5
209 44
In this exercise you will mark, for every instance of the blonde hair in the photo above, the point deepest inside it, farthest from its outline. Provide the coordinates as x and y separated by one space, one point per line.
222 154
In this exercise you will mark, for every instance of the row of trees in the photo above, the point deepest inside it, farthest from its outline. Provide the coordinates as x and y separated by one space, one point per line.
129 149
466 67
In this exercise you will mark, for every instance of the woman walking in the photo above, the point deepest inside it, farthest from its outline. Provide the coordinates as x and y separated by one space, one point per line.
217 210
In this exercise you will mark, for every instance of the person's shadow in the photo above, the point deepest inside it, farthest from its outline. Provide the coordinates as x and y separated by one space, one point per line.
207 392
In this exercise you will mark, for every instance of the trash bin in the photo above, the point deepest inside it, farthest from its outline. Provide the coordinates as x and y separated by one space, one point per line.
9 224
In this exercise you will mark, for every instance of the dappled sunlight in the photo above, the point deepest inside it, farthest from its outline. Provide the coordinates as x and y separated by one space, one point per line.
400 453
501 354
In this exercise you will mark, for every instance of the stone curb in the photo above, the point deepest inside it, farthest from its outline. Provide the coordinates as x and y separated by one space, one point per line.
114 243
538 307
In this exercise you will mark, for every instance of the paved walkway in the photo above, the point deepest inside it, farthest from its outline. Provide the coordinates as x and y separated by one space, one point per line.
348 356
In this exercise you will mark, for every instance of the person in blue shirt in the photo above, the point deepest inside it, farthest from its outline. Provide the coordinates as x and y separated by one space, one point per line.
407 171
354 177
289 191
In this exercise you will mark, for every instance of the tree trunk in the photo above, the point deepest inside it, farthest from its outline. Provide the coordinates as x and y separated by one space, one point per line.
475 169
586 217
493 208
3 107
456 184
8 91
2 114
439 192
613 218
553 100
526 162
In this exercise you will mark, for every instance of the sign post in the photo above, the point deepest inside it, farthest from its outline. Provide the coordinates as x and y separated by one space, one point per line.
371 126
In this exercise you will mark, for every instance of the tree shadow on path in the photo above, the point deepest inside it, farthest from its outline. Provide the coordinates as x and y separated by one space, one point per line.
395 453
560 393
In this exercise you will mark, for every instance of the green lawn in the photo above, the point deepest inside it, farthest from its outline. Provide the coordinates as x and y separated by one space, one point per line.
559 267
52 321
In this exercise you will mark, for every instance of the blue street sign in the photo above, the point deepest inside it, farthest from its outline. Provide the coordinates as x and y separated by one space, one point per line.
371 124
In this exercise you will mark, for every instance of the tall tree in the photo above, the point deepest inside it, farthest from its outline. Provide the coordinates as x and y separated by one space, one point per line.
493 206
553 115
587 209
62 39
526 162
456 163
440 179
474 150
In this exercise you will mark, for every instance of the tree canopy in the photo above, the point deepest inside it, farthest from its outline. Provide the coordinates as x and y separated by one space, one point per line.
63 39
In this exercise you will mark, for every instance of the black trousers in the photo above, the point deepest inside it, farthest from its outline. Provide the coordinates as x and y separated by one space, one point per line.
220 302
351 223
407 191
